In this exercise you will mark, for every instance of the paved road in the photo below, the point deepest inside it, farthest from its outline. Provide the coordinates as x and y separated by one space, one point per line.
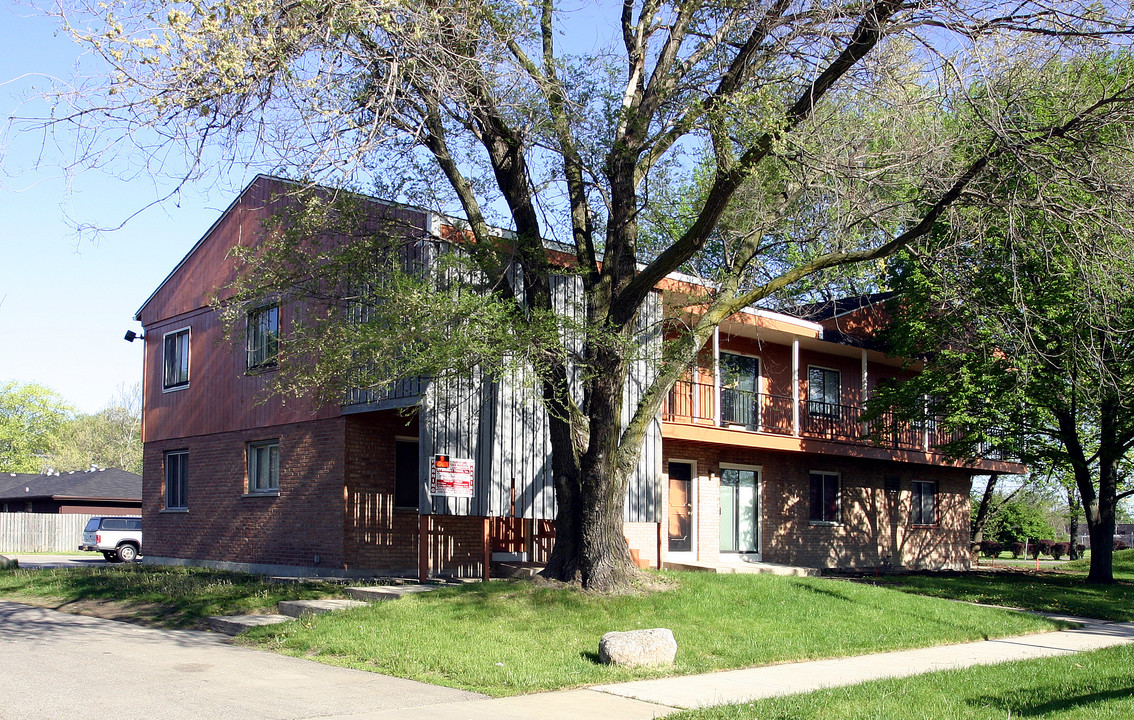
54 665
36 562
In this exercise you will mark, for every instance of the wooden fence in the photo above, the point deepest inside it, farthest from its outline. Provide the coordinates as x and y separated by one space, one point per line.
41 532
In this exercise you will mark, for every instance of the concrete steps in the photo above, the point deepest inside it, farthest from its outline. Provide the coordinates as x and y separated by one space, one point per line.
236 624
382 593
291 609
299 608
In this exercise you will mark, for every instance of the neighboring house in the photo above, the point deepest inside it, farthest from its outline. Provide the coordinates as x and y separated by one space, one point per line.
1123 533
81 492
758 454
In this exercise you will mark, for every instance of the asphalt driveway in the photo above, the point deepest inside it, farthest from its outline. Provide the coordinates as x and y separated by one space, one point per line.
55 665
39 562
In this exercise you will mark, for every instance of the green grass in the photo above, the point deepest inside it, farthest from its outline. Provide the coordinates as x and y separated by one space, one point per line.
506 638
1087 686
1061 591
175 597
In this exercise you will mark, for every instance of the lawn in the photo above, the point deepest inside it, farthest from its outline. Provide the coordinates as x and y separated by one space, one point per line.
1086 686
506 638
1062 591
176 597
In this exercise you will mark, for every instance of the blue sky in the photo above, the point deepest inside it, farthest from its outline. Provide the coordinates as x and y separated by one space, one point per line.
66 301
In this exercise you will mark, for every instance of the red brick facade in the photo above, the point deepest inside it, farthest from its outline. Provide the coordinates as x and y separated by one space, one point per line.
223 522
874 527
335 510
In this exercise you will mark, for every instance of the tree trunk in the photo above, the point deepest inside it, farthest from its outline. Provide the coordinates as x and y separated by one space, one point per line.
1102 545
590 544
1075 507
977 534
1100 523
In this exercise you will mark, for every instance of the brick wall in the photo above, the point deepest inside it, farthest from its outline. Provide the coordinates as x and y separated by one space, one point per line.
377 536
643 537
874 527
302 526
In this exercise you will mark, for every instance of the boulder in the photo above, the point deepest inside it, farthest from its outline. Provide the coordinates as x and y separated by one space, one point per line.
653 647
8 563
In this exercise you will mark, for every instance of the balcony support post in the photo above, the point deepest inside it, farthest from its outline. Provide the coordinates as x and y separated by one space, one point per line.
717 376
796 400
864 394
925 423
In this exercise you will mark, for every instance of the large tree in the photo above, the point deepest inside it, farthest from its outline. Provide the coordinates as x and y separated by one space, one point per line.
1027 323
833 118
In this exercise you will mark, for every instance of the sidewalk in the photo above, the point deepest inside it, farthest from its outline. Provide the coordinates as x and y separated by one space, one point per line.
647 699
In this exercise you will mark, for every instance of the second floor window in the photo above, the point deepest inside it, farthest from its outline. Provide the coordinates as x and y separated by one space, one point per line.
263 337
824 396
175 361
740 381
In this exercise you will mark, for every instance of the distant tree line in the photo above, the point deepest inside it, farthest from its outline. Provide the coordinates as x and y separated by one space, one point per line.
41 431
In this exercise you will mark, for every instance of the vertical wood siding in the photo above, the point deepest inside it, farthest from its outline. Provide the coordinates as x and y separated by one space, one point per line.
503 426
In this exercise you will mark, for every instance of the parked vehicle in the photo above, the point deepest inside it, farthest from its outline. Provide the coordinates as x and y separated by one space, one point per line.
119 539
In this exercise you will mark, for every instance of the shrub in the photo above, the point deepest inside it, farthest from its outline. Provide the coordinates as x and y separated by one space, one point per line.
1119 545
990 548
1080 548
1017 549
1045 546
1059 549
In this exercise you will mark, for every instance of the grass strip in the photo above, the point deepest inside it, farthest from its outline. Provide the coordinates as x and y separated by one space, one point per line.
1059 591
505 638
160 596
1087 686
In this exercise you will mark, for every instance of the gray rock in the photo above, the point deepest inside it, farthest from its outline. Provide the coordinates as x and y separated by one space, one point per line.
653 647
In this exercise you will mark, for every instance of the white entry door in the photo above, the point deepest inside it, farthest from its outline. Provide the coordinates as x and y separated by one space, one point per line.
740 510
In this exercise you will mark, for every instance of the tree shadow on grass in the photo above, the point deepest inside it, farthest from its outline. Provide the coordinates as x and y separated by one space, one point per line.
1041 702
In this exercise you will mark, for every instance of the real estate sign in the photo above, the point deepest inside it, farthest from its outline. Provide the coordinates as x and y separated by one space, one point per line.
451 477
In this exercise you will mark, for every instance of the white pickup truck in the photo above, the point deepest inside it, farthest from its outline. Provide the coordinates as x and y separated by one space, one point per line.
119 539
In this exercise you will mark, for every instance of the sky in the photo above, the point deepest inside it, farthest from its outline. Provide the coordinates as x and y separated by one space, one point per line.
66 300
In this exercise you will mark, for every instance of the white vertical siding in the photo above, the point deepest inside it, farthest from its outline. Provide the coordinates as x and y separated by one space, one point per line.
503 426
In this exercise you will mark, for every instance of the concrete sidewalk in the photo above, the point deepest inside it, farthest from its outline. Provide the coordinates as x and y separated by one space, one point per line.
56 665
646 699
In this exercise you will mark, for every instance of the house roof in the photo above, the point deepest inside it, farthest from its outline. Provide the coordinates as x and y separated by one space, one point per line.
104 484
830 309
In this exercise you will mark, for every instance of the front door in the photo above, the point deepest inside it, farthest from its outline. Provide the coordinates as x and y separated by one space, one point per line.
740 510
680 507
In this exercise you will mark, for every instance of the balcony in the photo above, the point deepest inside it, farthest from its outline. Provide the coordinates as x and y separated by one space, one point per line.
694 403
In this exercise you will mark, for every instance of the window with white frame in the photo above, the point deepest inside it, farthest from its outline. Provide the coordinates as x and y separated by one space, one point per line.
824 392
263 337
176 480
923 503
264 466
175 360
825 504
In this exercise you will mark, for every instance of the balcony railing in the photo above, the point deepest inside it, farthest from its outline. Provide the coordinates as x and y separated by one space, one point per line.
694 403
